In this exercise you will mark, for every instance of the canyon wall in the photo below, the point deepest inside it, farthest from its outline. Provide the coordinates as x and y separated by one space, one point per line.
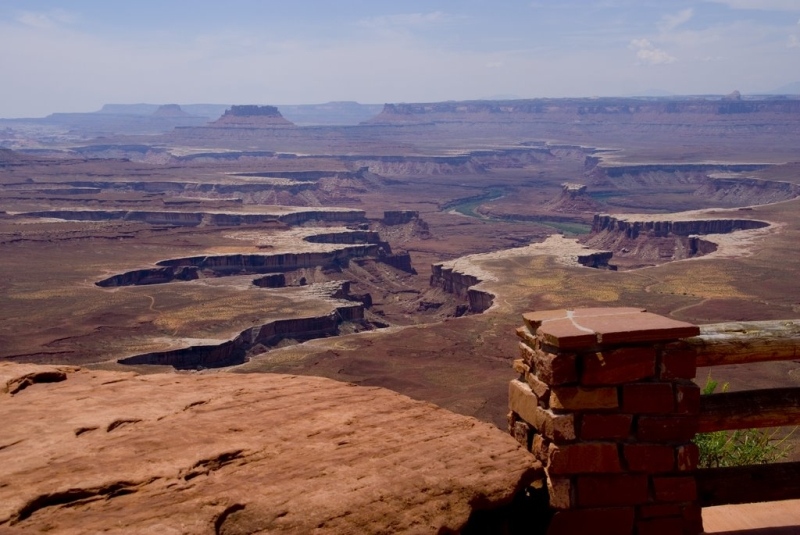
234 351
597 260
162 217
661 228
649 240
470 162
240 264
747 191
461 284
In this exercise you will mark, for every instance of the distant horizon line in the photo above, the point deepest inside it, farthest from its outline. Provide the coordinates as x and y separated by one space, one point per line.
745 96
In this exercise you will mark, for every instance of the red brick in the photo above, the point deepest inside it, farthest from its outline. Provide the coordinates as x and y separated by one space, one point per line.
651 458
555 369
675 489
540 447
660 510
648 398
618 366
605 521
584 458
526 353
605 426
688 457
521 367
600 491
582 398
661 526
693 519
522 432
539 387
666 428
511 418
559 428
687 398
522 401
528 338
677 363
560 491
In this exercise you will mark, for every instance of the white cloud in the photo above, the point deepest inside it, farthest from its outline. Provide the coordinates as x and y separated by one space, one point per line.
670 22
647 53
45 19
763 5
793 42
406 20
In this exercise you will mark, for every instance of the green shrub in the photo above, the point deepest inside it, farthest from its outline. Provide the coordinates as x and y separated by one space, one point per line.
740 447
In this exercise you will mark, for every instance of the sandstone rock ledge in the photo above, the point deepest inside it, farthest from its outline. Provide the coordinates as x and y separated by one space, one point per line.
85 451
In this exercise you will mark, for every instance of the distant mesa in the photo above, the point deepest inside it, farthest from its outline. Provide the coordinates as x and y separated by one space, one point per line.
573 198
170 110
253 111
733 96
252 116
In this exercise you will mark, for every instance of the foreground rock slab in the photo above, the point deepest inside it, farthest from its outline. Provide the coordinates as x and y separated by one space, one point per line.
85 451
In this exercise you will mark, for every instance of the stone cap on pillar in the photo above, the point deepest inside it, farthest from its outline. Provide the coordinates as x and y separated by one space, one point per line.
587 327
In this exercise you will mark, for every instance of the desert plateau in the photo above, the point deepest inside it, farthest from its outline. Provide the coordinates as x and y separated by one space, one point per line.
446 307
395 253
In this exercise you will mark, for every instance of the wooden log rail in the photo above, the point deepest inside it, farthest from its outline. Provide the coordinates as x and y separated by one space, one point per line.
748 484
773 407
747 343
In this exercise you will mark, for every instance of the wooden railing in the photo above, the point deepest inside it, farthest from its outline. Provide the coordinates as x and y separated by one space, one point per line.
747 343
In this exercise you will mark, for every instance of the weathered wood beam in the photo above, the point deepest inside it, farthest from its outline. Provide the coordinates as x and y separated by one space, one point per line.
773 407
746 342
748 484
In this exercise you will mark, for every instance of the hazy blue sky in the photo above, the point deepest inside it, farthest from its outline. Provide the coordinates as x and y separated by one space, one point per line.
77 55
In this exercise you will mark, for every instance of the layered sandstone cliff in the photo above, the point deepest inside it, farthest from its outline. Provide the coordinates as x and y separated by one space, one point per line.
289 216
457 282
642 240
655 226
209 354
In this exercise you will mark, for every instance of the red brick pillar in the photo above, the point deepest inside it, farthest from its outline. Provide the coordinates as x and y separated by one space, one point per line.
605 401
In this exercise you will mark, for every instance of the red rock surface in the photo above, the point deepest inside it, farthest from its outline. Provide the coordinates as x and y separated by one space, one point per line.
90 451
770 518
